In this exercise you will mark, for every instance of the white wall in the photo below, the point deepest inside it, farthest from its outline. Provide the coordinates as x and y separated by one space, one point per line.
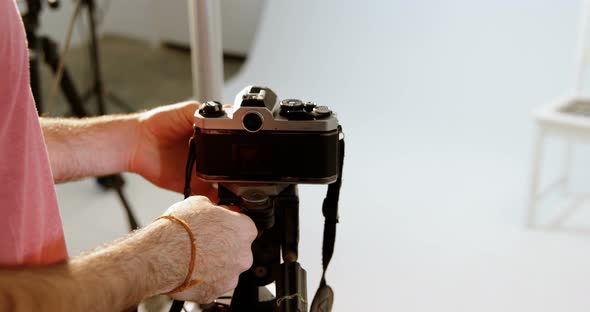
239 22
155 21
55 22
135 19
435 98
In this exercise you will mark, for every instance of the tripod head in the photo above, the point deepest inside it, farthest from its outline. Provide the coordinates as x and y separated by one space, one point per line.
254 200
266 205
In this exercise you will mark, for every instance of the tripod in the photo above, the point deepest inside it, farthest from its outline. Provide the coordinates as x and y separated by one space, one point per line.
275 211
42 45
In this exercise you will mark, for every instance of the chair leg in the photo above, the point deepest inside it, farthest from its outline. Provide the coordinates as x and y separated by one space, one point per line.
538 147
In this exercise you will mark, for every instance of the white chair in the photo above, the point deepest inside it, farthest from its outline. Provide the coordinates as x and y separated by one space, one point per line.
568 119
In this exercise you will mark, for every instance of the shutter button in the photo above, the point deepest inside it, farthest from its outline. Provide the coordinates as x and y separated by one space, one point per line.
322 111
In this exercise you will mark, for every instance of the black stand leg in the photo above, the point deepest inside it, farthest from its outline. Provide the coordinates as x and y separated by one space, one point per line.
291 283
116 182
266 252
31 22
50 51
291 288
34 54
69 90
36 44
98 88
94 58
66 83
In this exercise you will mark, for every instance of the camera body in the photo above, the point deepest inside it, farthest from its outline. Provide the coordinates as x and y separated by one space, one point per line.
262 140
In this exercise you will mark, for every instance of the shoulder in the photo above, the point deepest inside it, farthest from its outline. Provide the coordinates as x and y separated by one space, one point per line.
14 60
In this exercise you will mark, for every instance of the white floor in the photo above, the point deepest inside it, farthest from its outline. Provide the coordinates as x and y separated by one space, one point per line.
435 99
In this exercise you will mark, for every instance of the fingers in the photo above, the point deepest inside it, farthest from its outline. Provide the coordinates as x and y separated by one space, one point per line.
188 110
232 208
248 229
198 200
246 261
203 188
231 284
224 246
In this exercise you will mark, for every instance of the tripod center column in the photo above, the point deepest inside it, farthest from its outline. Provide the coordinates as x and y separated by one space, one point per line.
258 206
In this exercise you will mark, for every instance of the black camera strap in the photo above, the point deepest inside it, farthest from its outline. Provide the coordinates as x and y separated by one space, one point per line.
190 163
324 297
177 305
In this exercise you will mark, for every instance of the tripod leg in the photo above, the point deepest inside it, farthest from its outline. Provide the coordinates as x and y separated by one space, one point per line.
113 181
116 182
287 207
245 297
266 252
97 89
94 58
291 288
34 70
130 216
67 86
291 282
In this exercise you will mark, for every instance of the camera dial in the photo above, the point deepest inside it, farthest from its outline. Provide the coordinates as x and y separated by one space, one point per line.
309 106
294 109
322 111
211 109
291 104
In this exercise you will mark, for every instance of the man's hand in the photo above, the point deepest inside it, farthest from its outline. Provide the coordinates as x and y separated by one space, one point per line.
224 240
150 261
161 149
153 144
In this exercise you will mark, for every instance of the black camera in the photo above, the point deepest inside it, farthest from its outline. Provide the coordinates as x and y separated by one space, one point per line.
263 140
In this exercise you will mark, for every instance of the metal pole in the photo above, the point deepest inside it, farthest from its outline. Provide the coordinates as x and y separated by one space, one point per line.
94 58
206 49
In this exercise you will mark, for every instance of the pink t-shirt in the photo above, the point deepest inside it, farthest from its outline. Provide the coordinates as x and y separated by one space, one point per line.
31 231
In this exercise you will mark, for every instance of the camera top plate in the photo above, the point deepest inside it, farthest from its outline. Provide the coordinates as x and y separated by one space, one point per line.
257 109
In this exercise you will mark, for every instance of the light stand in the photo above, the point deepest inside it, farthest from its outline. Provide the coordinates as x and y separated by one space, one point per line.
43 45
206 49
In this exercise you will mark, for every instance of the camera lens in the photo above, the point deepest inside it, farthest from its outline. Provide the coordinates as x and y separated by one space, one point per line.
252 122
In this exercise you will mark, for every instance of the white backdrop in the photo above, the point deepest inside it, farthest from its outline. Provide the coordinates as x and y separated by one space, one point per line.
435 99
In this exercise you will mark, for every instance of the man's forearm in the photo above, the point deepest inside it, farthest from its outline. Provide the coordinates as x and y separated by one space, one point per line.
90 146
112 278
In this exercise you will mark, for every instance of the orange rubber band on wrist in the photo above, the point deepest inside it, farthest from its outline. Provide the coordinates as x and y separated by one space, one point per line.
188 282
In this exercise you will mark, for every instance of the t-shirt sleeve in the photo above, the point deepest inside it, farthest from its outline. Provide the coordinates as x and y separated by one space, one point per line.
31 231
